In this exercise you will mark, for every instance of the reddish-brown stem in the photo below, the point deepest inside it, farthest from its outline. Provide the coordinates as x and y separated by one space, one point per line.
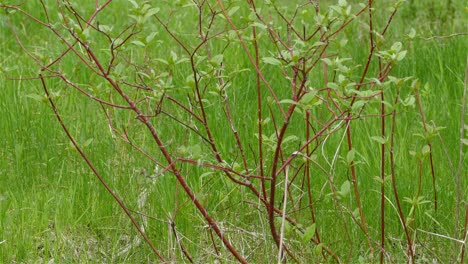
382 156
423 120
180 178
274 176
394 187
97 10
326 118
307 177
382 178
179 243
460 154
369 58
275 37
259 113
319 133
236 134
349 21
98 175
355 182
145 120
252 60
213 242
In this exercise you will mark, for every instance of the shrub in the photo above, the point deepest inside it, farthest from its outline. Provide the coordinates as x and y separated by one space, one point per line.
262 116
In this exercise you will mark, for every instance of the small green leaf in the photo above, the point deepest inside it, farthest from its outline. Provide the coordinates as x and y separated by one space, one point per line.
84 35
409 101
350 156
389 105
271 60
259 25
152 11
379 139
318 249
150 37
138 43
412 33
307 98
88 142
327 61
396 46
173 58
333 86
119 68
358 105
318 44
399 3
378 179
361 260
288 101
343 43
217 60
401 55
290 138
116 42
233 10
37 97
425 150
377 81
237 167
464 141
382 181
162 61
356 213
345 188
134 3
105 28
309 233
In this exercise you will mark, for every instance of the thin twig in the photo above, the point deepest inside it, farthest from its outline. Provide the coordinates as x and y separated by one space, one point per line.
285 199
98 175
179 243
460 151
445 36
465 234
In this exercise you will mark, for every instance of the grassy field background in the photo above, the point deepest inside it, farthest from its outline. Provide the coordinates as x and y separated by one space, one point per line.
52 207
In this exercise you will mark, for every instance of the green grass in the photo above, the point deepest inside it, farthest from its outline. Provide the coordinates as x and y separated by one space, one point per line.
53 207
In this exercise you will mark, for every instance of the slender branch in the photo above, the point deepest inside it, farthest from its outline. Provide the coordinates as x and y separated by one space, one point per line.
465 237
460 151
179 243
98 175
394 187
252 60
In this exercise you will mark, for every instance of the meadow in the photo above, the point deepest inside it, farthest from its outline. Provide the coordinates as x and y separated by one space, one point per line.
280 133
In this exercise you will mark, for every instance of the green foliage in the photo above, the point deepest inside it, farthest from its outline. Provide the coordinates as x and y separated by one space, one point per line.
192 109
